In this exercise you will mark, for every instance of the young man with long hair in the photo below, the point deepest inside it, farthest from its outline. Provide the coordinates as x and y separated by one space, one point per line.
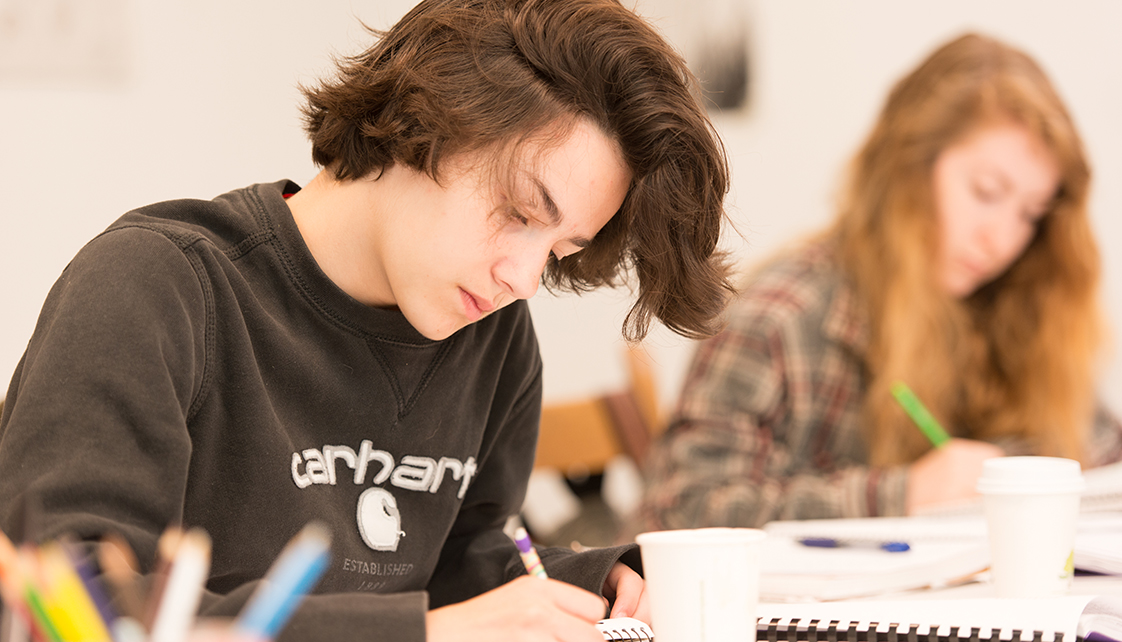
358 351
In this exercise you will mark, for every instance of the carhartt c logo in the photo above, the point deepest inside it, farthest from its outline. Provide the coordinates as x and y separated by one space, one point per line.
379 521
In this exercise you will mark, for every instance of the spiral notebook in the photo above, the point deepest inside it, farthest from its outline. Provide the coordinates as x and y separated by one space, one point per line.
626 629
1061 619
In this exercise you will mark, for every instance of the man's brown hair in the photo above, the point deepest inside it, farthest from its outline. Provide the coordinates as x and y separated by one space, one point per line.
457 76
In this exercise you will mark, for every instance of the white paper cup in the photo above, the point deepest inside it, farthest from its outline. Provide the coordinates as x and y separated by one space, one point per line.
1032 504
703 584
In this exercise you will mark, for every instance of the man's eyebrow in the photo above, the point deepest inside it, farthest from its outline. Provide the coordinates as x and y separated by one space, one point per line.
554 214
548 202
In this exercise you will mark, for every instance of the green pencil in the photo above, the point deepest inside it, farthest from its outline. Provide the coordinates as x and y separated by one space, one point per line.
923 419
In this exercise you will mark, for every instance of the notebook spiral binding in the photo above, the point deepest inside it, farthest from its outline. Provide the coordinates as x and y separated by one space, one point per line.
626 630
799 630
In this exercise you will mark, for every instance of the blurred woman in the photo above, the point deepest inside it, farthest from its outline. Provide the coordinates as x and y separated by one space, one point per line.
962 263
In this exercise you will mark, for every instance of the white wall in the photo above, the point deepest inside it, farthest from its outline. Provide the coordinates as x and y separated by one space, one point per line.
206 101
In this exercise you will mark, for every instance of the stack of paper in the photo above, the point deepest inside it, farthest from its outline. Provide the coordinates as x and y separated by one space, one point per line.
1098 543
941 552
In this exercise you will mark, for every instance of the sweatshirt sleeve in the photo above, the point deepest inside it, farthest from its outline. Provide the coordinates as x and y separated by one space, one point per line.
95 438
757 433
95 435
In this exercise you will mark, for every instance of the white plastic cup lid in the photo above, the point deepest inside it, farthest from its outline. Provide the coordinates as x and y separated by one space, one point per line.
716 536
1030 475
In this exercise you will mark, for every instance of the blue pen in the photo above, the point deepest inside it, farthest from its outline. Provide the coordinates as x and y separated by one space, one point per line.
829 542
292 576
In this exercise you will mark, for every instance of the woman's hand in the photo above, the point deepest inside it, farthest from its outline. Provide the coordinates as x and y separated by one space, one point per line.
529 609
947 474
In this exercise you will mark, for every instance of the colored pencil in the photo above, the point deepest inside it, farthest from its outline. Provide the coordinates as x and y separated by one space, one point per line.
291 576
121 570
187 575
67 600
165 553
919 414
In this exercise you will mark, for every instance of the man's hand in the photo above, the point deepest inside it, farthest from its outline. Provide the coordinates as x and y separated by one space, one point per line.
529 609
629 592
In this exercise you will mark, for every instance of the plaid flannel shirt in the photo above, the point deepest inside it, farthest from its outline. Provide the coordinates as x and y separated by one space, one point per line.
769 422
